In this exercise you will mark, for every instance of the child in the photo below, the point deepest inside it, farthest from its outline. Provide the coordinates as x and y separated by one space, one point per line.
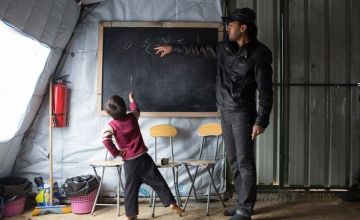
139 166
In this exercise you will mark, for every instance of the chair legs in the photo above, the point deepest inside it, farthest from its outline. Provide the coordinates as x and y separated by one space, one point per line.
99 189
192 185
208 199
151 198
120 179
118 192
210 171
177 193
176 184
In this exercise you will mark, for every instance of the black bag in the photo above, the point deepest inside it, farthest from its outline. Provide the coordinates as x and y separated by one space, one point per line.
12 188
79 185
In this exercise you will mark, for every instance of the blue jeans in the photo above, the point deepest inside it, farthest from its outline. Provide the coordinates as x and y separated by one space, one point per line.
237 128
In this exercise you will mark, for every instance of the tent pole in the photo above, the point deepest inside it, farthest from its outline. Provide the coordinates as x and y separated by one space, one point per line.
50 144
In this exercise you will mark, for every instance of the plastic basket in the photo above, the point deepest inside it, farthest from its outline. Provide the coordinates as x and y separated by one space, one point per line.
15 207
83 204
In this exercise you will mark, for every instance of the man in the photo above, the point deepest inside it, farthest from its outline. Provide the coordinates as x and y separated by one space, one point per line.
244 65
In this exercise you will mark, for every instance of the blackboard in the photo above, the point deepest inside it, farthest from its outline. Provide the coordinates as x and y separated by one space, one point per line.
175 85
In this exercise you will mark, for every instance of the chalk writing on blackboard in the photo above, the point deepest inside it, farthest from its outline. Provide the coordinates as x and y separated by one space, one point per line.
149 46
166 42
127 45
174 86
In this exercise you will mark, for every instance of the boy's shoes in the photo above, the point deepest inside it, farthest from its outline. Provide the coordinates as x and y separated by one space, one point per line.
176 209
230 211
131 217
240 217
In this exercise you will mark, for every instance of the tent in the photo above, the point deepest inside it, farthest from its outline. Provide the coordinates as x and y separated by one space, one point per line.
69 29
313 137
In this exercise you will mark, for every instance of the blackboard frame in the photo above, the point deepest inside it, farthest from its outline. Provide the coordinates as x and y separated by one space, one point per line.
107 24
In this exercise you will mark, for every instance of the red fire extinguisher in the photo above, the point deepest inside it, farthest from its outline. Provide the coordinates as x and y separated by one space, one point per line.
60 102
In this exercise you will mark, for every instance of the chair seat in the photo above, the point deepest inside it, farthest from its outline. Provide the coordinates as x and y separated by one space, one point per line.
170 164
107 163
199 162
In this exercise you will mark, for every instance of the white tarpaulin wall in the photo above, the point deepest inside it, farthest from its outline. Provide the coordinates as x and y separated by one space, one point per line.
51 23
79 143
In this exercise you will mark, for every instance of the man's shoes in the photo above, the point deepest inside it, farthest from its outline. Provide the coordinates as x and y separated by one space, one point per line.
230 212
240 217
353 194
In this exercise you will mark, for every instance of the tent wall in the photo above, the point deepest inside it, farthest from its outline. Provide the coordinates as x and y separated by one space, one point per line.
79 143
316 129
51 23
321 95
313 137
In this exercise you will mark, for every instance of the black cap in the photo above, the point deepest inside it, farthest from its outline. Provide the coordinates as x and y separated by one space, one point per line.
244 15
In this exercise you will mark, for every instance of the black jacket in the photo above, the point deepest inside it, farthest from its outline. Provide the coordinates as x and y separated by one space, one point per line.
241 70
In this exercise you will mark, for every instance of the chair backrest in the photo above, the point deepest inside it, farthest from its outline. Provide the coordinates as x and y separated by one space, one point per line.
209 130
163 131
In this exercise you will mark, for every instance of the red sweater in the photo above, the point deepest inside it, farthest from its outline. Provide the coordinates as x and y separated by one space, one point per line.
127 136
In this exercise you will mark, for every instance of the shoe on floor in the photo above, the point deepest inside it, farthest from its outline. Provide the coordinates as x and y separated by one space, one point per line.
240 217
230 211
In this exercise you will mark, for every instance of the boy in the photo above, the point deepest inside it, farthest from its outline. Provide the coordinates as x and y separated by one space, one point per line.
139 166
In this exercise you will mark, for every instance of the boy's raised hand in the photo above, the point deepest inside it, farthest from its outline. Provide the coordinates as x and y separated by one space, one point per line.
163 50
131 96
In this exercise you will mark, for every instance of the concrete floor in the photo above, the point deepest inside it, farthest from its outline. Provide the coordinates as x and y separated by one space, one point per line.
320 209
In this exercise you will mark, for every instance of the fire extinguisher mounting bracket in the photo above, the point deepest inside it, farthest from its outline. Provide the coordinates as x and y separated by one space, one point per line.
62 79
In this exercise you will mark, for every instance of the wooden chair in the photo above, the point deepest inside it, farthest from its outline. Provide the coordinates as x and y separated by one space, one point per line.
108 164
209 130
169 132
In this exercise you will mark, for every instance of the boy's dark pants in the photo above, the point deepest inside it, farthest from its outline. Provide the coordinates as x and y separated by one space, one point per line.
143 170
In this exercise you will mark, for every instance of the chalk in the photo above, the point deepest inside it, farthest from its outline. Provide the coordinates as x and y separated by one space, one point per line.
131 87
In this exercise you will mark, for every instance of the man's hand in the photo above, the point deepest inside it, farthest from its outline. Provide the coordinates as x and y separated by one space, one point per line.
131 96
163 50
257 130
